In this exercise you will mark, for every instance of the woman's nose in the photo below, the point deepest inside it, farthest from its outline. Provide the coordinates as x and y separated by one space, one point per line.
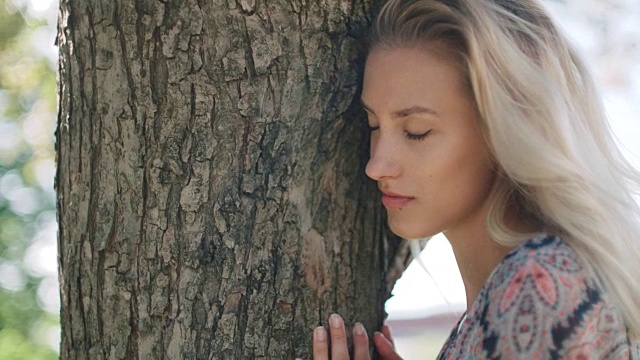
383 162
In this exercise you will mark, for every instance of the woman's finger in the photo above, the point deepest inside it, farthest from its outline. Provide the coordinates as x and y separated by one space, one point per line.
360 343
320 344
384 347
386 331
339 348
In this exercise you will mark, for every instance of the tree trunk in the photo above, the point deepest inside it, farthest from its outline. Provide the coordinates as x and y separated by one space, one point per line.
211 193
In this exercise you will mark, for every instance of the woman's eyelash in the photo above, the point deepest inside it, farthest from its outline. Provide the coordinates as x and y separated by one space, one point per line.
409 135
417 137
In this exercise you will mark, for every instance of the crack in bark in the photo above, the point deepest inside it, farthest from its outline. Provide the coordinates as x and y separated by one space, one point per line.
248 51
132 98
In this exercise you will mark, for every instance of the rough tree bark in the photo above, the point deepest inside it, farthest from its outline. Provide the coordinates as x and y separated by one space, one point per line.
211 194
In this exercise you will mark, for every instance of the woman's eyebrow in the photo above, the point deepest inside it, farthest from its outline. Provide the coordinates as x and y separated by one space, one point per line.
405 112
414 110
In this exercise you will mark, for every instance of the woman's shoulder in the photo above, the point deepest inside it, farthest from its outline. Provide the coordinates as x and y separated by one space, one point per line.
541 298
546 272
543 257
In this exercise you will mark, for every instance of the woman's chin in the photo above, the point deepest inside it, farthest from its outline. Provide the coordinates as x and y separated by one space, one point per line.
409 232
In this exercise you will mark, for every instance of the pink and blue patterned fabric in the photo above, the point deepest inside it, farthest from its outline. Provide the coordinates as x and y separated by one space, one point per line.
541 303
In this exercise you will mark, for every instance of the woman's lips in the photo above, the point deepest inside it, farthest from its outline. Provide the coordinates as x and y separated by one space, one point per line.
394 201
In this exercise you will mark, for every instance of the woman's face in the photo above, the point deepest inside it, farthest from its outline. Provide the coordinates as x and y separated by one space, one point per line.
427 152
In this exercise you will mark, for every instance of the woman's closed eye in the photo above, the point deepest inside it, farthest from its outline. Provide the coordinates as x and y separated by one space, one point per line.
417 137
408 135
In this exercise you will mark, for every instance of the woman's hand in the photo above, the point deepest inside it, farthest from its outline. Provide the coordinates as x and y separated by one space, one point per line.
339 349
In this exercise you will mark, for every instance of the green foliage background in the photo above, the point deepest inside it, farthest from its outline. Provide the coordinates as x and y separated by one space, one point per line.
29 300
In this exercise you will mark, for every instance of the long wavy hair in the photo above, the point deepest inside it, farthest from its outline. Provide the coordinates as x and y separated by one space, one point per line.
545 125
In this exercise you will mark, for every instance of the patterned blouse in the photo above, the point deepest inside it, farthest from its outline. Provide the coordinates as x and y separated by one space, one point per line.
541 303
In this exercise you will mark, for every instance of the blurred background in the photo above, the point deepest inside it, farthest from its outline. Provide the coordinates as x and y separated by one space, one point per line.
425 305
29 300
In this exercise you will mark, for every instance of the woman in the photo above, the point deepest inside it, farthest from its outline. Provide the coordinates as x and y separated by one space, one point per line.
486 127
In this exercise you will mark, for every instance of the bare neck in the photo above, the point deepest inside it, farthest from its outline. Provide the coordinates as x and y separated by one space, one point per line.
477 256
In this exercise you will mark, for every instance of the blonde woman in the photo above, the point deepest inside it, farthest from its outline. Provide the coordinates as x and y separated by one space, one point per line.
486 127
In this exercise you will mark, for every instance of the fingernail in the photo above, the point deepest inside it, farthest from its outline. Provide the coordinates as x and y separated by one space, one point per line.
335 320
358 329
320 333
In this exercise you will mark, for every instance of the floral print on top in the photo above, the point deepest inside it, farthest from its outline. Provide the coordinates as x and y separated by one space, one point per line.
541 303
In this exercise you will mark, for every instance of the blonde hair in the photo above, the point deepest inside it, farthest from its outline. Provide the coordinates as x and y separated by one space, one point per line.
545 125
